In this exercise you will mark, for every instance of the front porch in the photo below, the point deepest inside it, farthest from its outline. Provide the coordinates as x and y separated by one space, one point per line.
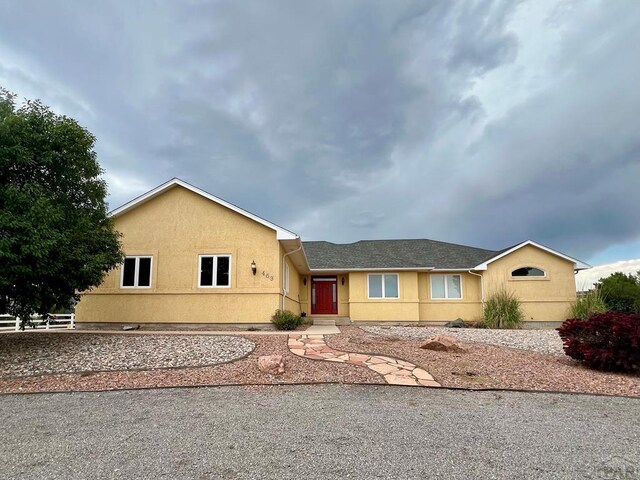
325 298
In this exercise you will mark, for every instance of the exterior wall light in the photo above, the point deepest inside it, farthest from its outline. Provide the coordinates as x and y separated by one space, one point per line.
304 281
343 280
253 267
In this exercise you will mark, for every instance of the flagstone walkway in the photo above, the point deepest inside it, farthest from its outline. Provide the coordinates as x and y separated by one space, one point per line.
394 371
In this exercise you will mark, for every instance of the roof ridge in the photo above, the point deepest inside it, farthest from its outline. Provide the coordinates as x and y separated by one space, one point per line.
406 240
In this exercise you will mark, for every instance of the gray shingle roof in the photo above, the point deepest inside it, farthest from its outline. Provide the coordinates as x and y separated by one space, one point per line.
420 253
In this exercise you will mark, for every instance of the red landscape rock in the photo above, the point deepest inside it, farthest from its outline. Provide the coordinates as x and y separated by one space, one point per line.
271 364
443 343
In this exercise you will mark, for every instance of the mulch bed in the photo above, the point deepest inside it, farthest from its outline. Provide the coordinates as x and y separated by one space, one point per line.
486 366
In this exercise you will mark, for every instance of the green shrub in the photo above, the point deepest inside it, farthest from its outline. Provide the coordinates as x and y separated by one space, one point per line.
621 292
286 320
502 310
589 304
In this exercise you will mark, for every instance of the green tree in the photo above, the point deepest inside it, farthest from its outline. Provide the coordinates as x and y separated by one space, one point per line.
621 292
56 238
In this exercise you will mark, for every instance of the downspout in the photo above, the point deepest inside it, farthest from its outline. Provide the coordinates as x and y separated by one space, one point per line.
481 287
284 261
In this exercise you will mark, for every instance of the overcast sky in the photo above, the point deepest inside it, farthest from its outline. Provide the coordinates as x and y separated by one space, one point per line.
483 123
585 279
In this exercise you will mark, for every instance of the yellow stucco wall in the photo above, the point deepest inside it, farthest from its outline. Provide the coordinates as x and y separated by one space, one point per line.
343 295
468 308
177 308
415 302
304 293
404 308
543 299
176 227
292 297
179 225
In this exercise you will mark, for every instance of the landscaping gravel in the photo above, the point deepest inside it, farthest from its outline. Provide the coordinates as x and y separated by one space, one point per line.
489 366
483 366
45 353
243 371
542 341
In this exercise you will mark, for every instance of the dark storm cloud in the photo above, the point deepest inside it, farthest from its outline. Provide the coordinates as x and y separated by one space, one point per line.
318 86
482 122
564 166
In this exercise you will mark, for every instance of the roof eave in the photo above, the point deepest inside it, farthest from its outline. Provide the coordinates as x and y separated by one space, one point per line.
378 269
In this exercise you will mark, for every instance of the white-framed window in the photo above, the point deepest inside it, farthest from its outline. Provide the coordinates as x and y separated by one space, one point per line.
446 287
383 285
136 272
528 272
214 271
285 279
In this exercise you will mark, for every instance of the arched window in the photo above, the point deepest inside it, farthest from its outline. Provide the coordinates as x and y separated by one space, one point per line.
528 272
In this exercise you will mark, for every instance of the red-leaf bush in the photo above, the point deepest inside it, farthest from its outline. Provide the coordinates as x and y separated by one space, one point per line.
607 341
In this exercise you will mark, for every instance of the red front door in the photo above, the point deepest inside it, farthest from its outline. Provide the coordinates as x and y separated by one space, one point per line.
324 296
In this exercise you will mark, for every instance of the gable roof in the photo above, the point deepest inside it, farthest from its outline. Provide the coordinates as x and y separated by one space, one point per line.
412 254
418 254
281 233
577 264
394 254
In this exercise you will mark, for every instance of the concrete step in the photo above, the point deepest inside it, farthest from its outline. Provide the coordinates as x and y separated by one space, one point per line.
324 321
320 320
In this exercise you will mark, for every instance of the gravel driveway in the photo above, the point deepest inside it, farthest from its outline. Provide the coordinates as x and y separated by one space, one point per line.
541 341
44 353
317 432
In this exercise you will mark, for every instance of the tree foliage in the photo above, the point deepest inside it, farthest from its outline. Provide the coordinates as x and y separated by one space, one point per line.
56 238
621 292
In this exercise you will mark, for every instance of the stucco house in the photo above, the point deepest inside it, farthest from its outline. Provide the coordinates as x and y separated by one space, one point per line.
193 258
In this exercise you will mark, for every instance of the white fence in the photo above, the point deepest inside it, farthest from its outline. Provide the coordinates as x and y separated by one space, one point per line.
55 320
